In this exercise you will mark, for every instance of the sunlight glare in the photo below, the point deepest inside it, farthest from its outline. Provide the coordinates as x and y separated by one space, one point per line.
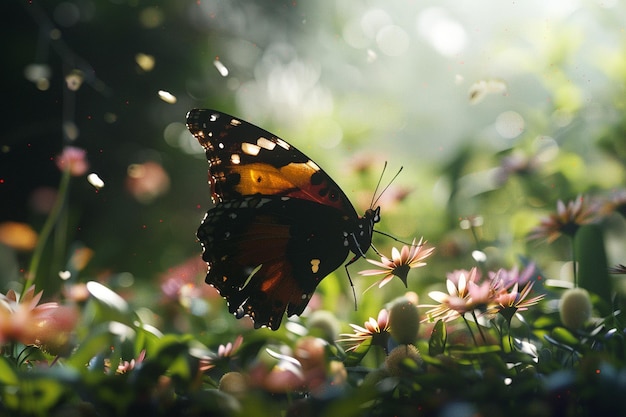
443 33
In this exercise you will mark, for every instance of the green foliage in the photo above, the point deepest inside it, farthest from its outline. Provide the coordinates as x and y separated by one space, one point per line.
127 327
593 271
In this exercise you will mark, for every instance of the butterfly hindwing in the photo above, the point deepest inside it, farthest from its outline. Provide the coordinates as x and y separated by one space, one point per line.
280 224
268 254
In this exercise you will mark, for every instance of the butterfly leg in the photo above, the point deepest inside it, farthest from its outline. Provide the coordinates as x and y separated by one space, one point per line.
350 262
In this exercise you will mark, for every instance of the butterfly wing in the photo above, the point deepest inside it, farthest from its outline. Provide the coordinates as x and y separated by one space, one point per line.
247 160
266 255
280 223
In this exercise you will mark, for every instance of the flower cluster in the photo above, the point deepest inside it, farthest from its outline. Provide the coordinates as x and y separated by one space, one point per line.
499 293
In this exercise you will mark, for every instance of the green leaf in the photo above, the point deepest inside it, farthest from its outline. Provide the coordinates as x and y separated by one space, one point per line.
476 350
593 272
8 376
438 338
97 342
35 395
564 336
355 356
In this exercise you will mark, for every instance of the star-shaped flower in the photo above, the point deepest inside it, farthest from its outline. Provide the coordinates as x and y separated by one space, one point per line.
400 263
375 329
567 220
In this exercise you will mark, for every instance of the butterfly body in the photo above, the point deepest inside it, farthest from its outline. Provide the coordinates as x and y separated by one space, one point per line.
280 224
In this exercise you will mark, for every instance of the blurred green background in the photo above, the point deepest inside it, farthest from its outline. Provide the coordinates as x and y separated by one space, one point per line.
494 109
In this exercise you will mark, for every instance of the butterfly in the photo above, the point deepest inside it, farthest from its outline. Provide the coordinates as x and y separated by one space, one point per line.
279 224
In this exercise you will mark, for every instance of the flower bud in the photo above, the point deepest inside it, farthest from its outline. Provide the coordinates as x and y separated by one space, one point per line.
233 383
404 320
575 308
404 361
324 324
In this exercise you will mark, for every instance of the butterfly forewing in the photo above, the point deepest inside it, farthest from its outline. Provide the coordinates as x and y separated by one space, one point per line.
246 160
280 224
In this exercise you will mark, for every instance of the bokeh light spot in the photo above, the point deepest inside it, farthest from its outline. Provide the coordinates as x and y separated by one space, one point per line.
509 124
392 40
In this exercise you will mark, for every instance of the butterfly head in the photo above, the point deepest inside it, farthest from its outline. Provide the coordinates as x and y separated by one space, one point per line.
359 239
373 214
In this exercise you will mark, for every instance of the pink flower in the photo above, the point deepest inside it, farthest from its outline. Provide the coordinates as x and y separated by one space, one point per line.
508 302
375 329
567 220
505 278
26 321
74 160
224 353
458 299
126 366
400 263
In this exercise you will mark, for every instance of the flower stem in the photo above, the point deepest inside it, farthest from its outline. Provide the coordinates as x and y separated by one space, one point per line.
470 329
574 269
480 330
47 228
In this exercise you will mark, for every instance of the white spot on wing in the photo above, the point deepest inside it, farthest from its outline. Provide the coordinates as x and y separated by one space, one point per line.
313 165
265 143
234 158
235 122
250 148
282 143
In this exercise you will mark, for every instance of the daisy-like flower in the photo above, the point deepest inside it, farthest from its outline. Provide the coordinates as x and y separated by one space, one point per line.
464 295
509 302
224 353
400 263
567 220
615 203
375 329
125 366
24 320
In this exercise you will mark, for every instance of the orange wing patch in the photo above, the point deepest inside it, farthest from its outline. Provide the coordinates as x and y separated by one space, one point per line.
292 180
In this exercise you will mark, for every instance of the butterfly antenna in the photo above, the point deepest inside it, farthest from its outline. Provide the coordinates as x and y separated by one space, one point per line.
380 179
375 200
